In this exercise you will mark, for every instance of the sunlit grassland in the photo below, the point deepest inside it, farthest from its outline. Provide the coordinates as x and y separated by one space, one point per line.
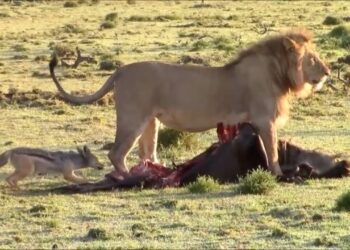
299 216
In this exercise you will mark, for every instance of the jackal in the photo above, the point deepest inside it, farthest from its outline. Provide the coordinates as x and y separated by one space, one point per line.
34 161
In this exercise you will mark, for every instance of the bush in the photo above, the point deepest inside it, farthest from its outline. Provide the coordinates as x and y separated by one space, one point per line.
257 181
165 18
97 234
137 18
72 28
131 1
107 25
70 4
203 184
331 20
199 45
340 31
111 16
107 65
173 138
342 34
343 202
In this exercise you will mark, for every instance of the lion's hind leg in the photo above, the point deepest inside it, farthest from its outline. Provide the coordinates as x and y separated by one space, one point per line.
148 141
126 136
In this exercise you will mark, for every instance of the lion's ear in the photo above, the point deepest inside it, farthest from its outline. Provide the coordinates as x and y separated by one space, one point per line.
289 44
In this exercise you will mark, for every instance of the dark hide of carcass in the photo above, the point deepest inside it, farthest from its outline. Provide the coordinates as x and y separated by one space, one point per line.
239 150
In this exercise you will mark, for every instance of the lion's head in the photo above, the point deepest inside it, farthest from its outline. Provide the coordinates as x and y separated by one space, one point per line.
315 70
304 64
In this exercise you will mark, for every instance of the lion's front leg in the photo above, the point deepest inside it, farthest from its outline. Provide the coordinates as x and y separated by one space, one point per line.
268 134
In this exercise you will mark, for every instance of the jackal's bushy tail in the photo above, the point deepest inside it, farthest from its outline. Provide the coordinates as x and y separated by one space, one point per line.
4 158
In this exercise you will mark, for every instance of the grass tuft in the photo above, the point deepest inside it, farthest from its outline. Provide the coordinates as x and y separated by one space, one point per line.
343 202
172 138
97 234
107 25
70 4
342 34
340 31
111 16
331 20
138 18
203 184
107 65
258 181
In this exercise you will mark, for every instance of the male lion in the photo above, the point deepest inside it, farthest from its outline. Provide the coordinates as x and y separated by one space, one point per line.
253 88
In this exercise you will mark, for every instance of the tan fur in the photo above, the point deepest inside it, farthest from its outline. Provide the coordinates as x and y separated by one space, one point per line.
31 161
253 88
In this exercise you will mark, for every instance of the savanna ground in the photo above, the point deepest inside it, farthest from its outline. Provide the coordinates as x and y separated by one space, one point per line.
291 216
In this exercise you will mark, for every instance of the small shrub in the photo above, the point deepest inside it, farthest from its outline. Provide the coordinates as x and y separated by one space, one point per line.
340 31
173 138
342 34
107 65
331 20
41 58
223 43
199 45
20 57
203 184
111 16
72 28
3 14
279 232
165 18
70 4
131 1
137 18
324 241
257 181
107 25
93 2
38 211
232 18
19 48
343 202
138 230
97 234
62 50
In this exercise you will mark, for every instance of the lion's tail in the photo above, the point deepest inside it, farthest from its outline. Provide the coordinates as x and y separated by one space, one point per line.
4 158
105 88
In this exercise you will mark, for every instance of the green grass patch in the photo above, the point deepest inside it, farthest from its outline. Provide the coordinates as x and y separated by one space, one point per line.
343 202
258 181
107 25
203 184
172 138
331 20
97 234
70 4
111 16
342 34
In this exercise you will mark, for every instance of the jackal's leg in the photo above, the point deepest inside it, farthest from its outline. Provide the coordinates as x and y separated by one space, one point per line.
70 176
148 141
15 177
24 167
